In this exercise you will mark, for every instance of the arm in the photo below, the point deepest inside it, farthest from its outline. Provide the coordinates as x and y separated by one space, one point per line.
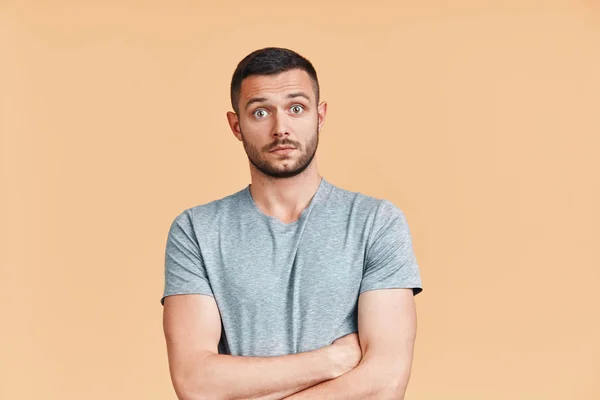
192 327
387 330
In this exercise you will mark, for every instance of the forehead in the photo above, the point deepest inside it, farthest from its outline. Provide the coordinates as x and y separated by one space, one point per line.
294 80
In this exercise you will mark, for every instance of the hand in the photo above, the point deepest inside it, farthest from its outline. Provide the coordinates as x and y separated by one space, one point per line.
346 354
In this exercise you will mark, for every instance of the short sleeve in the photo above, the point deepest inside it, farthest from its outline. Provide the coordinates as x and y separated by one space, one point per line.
185 272
390 261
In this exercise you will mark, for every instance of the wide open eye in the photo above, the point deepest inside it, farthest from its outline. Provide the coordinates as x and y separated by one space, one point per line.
260 113
297 109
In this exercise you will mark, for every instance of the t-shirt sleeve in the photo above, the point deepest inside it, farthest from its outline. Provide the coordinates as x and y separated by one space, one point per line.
390 261
185 272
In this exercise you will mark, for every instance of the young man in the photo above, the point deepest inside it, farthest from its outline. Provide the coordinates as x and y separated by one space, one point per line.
292 287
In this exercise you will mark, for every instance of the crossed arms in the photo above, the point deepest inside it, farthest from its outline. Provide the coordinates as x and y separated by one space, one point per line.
387 330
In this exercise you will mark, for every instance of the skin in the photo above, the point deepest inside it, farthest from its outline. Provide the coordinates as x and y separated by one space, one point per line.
286 113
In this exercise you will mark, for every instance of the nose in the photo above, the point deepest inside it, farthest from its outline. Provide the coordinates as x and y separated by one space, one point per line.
281 125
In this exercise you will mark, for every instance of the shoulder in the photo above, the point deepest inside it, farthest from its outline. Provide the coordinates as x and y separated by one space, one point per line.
355 200
206 213
382 217
375 207
386 210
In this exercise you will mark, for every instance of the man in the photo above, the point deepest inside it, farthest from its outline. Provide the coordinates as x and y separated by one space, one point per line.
292 287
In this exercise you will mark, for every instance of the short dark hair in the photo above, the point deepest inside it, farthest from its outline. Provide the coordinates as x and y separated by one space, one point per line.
270 61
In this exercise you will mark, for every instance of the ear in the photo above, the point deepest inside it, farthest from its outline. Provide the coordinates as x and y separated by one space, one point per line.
234 124
322 110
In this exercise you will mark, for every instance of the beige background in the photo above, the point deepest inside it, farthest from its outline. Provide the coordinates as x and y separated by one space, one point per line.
480 121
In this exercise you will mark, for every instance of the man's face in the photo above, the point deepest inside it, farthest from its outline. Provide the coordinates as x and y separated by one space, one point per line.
279 110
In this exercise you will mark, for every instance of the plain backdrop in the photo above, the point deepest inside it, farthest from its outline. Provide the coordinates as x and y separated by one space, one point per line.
480 120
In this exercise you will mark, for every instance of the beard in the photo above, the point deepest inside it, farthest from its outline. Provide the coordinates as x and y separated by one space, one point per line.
285 167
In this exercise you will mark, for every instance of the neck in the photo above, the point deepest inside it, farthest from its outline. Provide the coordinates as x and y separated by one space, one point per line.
284 198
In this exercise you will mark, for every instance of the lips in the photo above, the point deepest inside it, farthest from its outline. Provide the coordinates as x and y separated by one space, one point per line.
282 148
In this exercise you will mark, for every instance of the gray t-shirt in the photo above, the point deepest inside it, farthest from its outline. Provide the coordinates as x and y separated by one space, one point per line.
288 288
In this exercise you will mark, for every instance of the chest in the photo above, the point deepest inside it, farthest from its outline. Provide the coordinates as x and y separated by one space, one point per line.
298 269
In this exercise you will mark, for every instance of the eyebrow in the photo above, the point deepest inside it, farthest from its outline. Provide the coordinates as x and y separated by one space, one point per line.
263 99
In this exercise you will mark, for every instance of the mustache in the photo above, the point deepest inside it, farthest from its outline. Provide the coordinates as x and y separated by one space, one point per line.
284 142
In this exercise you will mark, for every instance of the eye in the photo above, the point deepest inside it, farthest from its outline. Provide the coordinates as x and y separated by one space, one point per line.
297 109
260 113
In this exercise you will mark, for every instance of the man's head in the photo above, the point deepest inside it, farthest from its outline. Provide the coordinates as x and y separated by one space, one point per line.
275 95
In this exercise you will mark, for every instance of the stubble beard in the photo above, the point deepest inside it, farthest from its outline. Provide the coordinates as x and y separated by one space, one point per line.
275 169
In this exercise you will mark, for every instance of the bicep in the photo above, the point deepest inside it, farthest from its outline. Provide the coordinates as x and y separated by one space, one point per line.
387 326
192 328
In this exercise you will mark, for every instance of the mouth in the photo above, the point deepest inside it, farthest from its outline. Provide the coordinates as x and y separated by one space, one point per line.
282 149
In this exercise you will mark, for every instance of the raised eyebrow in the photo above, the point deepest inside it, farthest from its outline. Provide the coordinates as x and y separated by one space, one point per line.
254 100
298 94
262 99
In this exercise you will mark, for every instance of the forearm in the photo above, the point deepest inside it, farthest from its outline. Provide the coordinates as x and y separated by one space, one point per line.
369 380
265 378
